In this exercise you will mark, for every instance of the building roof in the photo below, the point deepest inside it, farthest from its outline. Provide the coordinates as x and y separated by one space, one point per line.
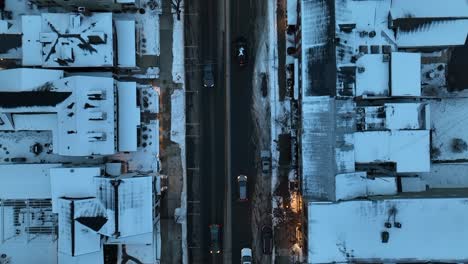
128 116
406 115
318 49
409 149
405 74
356 184
404 9
82 123
318 148
441 33
126 42
72 182
25 181
68 40
75 237
134 214
372 75
351 231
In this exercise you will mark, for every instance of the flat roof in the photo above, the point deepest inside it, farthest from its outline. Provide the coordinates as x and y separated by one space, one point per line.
128 116
25 181
373 79
404 9
406 74
405 115
409 149
351 231
356 184
126 42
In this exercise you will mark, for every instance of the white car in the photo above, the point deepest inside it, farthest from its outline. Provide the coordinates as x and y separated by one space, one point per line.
246 256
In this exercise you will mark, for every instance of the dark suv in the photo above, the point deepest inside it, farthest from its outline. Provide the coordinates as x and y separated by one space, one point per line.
267 239
215 239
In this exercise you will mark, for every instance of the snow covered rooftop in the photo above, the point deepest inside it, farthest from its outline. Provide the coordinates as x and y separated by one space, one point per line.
405 9
318 143
68 40
441 33
126 42
79 110
372 75
431 230
72 182
406 74
356 184
409 149
133 213
25 181
406 116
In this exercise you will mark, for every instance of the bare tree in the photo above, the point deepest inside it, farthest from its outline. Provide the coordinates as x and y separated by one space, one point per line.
176 5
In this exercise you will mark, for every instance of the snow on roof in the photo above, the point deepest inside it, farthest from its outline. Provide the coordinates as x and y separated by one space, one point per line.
434 34
318 49
134 214
405 115
75 238
83 107
429 9
372 75
409 149
431 230
25 181
126 41
406 74
25 79
356 184
292 12
128 116
68 40
318 143
72 182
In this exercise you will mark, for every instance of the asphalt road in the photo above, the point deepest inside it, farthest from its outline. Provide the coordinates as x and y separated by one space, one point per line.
242 141
206 29
212 109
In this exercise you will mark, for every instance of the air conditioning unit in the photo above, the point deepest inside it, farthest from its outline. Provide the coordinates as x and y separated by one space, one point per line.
386 58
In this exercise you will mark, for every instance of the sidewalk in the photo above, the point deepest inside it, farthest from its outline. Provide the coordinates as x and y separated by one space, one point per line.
172 146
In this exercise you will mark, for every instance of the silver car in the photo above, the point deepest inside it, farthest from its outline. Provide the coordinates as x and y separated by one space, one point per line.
242 182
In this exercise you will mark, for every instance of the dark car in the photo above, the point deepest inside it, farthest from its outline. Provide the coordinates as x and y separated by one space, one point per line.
241 51
208 79
215 239
267 240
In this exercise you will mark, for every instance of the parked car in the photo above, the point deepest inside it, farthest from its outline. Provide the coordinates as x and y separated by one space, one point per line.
241 51
215 239
267 239
246 256
265 158
208 77
242 182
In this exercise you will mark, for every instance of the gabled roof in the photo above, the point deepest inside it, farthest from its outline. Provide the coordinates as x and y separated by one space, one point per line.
434 34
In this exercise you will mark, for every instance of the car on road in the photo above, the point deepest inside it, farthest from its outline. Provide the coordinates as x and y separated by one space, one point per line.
242 182
246 256
267 239
265 158
215 239
208 77
241 51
